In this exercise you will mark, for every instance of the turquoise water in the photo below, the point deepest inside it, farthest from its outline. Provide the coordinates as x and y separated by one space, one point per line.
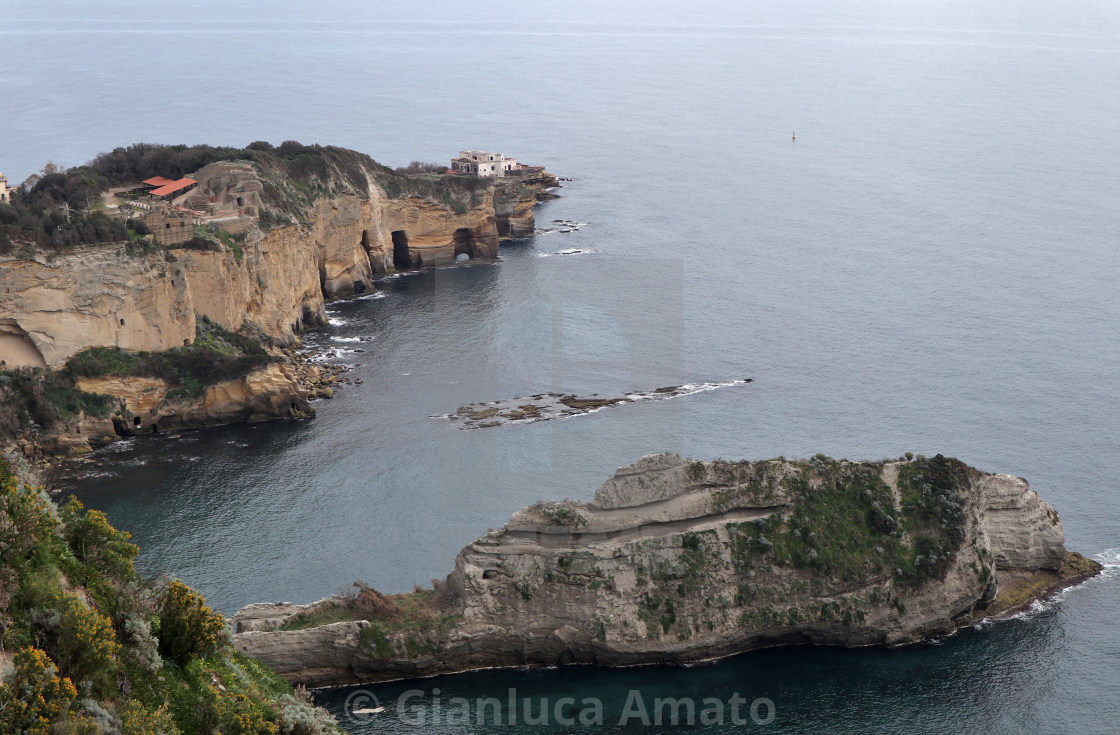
931 266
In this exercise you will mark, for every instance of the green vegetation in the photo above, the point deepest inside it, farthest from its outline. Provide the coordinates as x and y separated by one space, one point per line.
561 514
216 355
34 400
61 209
211 237
294 175
415 614
750 483
844 525
842 528
696 471
42 400
98 649
657 613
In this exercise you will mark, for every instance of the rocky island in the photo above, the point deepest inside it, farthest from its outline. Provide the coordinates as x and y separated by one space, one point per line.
680 561
133 302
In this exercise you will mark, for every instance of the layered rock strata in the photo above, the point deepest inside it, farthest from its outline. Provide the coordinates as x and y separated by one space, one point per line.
276 276
678 561
107 296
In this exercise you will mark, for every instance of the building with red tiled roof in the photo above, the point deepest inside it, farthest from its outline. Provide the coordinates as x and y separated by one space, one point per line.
171 187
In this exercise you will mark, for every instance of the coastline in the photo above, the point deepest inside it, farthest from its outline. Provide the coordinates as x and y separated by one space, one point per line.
299 245
556 585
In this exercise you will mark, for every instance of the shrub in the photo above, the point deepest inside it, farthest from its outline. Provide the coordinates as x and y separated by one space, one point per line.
94 541
143 645
35 696
296 715
33 399
239 714
216 355
27 517
85 643
136 719
188 628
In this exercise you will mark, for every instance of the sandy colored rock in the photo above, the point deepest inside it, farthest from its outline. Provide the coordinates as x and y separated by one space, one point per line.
654 571
51 309
90 298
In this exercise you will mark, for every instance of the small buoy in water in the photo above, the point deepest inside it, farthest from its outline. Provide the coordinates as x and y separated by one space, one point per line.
795 135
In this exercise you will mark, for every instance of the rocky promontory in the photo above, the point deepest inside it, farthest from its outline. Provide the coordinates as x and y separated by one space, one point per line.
679 561
257 243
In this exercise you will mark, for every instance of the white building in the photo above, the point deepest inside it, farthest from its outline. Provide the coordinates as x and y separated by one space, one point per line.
5 192
483 164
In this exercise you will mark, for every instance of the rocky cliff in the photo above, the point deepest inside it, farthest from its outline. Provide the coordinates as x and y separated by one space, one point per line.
316 240
275 238
678 561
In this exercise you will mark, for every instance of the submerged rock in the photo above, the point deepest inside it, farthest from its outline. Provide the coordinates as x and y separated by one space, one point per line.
678 561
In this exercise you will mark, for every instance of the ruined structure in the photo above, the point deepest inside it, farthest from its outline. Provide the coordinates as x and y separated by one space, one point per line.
484 164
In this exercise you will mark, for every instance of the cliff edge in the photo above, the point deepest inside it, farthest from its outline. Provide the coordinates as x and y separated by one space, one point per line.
679 561
257 243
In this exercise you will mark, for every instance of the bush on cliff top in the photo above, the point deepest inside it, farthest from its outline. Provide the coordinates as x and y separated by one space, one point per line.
78 618
34 399
37 400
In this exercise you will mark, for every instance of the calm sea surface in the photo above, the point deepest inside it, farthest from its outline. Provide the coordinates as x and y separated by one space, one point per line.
931 266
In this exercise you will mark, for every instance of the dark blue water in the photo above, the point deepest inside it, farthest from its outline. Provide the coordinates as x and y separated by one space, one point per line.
931 266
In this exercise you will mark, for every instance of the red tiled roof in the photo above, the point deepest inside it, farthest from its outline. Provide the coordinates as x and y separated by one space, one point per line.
158 181
171 187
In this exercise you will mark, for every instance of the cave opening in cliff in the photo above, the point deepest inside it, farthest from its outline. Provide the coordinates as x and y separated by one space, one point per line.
365 240
400 249
464 242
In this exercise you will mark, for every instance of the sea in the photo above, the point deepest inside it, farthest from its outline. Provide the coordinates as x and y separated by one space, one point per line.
900 220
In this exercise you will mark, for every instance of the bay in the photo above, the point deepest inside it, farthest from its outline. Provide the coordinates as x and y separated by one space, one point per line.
931 266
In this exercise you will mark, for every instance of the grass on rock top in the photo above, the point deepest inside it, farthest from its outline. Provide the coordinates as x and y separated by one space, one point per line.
215 355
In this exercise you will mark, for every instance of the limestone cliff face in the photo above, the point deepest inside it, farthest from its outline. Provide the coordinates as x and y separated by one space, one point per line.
52 309
680 561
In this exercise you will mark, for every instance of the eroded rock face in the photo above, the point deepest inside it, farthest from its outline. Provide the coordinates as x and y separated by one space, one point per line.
107 297
88 298
678 561
272 392
279 280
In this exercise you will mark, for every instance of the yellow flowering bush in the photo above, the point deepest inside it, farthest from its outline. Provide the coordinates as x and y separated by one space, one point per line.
138 720
240 715
95 541
35 696
86 642
187 627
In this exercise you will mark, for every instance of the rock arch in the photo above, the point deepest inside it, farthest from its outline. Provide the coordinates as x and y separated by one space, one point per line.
463 240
